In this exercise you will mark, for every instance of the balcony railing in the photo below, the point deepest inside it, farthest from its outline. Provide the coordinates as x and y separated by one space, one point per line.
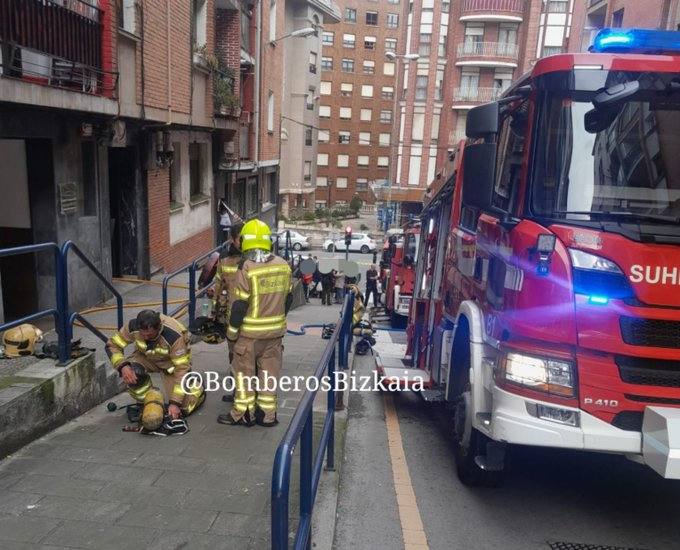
470 7
504 50
482 95
57 42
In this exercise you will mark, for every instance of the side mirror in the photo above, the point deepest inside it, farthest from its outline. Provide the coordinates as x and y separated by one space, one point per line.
479 170
598 120
483 120
616 94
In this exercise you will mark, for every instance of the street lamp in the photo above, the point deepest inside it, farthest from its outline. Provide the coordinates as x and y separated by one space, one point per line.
299 33
392 56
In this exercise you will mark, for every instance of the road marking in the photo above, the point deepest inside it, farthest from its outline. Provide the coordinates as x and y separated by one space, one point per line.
412 529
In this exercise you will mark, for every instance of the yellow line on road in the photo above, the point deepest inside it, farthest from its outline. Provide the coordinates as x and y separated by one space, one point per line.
411 525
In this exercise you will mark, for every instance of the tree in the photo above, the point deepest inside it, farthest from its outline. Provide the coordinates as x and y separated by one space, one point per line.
355 204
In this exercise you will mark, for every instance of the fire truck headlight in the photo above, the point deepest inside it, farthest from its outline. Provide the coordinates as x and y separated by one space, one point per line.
599 278
539 373
584 260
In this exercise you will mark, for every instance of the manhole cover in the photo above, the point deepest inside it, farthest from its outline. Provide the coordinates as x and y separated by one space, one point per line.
561 545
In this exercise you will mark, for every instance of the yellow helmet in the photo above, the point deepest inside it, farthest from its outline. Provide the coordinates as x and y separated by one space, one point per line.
256 235
21 340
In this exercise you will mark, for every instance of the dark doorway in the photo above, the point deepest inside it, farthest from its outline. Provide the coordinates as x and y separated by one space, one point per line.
123 201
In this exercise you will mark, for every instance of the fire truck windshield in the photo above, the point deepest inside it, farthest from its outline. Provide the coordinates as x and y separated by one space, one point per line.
627 168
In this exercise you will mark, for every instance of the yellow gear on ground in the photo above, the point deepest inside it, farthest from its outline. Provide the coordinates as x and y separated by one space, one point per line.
153 410
255 235
20 341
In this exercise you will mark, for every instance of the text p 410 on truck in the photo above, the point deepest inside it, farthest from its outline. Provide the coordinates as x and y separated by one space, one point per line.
547 295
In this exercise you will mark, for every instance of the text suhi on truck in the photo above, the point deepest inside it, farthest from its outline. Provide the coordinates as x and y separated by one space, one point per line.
547 294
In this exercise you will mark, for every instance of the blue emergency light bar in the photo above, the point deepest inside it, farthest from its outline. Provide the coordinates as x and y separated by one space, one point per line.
644 41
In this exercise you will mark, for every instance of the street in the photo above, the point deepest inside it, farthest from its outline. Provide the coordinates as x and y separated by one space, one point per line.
548 496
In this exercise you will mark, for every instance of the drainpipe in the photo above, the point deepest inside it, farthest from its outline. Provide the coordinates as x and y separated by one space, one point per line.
167 23
258 78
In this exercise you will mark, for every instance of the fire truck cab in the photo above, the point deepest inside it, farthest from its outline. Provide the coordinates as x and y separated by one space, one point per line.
399 279
546 305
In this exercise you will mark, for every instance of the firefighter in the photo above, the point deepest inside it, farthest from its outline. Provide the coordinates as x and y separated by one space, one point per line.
161 345
259 304
225 277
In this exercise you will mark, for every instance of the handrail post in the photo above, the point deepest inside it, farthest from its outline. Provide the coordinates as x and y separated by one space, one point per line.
306 464
330 448
64 338
164 304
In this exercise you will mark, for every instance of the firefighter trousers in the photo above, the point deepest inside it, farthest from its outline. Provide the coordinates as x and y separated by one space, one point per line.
256 366
171 382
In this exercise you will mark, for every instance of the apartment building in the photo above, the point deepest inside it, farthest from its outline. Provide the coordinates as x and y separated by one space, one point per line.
357 101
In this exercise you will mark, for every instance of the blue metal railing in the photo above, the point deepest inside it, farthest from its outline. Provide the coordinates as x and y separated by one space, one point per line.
301 429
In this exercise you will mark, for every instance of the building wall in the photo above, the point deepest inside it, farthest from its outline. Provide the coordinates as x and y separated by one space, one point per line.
271 72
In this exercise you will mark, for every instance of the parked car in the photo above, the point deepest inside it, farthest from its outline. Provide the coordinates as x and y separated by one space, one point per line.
297 241
361 242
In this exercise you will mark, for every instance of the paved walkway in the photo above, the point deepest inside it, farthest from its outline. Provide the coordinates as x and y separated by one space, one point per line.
91 485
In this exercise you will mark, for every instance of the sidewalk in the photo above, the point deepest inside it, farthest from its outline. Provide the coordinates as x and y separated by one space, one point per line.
90 485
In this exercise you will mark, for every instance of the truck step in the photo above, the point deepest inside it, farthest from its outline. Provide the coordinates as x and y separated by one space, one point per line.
432 396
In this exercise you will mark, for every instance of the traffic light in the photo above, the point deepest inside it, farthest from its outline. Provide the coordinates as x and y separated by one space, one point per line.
348 235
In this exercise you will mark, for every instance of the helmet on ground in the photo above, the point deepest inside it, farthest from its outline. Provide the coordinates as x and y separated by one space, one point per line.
208 330
256 235
21 340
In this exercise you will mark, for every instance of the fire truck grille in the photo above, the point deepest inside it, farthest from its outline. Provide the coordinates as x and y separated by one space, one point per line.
560 545
650 332
649 372
631 421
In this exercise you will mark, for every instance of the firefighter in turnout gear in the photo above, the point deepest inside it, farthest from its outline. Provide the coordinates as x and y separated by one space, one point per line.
259 303
161 345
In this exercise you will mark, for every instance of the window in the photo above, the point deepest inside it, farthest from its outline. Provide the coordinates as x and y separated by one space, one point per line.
196 151
200 22
439 85
312 62
386 117
308 170
272 20
446 6
617 18
474 37
442 45
508 165
309 98
364 138
253 202
343 136
387 92
176 176
369 42
369 67
308 136
388 68
89 181
469 84
391 45
322 159
366 90
273 187
507 39
418 126
501 81
424 46
383 162
346 89
393 1
324 136
392 20
324 111
321 181
327 38
319 205
558 6
434 129
343 161
384 140
326 63
362 161
326 88
348 40
270 112
341 183
348 65
366 115
421 87
372 18
350 15
362 184
345 113
127 16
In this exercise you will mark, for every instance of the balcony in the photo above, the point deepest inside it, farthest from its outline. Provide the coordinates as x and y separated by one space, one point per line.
55 43
487 54
492 10
466 97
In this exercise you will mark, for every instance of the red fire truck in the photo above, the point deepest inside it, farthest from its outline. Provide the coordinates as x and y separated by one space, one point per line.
547 294
399 274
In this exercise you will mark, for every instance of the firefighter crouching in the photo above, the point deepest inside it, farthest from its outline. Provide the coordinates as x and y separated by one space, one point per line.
259 303
161 345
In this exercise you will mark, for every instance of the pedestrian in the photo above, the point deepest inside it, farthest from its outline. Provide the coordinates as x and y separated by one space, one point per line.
339 287
161 345
225 222
258 307
327 285
307 280
371 285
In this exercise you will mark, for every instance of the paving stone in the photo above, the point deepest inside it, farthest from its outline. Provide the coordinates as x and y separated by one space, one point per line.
180 540
171 462
237 525
134 442
41 450
107 473
8 479
100 456
189 480
60 486
78 509
150 515
99 536
85 439
44 466
21 529
16 503
132 493
13 545
249 501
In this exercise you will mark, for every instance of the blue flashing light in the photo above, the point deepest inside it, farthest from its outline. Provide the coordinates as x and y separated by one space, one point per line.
598 300
636 41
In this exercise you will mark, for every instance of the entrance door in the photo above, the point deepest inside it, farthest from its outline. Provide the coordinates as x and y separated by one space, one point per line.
123 205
